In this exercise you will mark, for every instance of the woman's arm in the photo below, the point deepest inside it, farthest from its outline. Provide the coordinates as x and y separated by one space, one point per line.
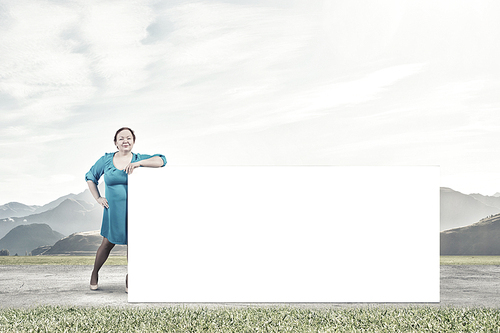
97 196
152 162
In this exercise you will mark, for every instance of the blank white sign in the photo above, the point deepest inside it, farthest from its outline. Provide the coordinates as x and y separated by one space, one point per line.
284 234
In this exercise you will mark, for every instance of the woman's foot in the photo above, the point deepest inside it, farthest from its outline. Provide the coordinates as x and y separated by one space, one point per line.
93 281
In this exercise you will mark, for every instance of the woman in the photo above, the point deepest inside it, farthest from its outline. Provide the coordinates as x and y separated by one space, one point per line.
116 167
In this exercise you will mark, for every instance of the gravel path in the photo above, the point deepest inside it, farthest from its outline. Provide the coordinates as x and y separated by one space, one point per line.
32 285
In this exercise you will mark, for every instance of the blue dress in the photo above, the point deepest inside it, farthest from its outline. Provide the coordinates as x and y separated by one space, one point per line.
114 220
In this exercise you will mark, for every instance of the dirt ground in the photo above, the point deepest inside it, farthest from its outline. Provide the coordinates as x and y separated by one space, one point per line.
32 285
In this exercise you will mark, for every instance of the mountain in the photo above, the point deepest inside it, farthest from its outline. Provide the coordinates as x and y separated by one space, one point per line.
492 201
8 224
75 213
458 209
14 213
16 209
25 238
80 244
69 216
83 196
480 238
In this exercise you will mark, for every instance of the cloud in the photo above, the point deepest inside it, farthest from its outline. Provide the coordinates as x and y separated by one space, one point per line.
41 78
61 178
158 30
296 105
299 81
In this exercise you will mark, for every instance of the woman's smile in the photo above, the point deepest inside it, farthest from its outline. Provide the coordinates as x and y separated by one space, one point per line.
125 140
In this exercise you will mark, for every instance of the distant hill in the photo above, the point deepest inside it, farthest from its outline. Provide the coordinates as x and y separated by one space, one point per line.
83 196
492 201
481 238
80 244
8 224
39 250
25 238
458 209
16 209
69 216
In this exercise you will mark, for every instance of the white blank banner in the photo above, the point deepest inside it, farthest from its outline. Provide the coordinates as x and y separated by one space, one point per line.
284 234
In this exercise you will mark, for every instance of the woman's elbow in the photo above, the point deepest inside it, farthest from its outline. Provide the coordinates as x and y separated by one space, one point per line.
159 162
91 183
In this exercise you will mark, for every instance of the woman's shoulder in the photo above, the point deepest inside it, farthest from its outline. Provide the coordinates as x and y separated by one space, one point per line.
140 157
136 156
106 157
143 156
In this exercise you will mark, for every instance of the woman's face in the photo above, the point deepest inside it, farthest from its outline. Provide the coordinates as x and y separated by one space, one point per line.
124 141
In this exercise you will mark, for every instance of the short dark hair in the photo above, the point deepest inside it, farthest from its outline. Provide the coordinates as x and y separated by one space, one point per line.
124 128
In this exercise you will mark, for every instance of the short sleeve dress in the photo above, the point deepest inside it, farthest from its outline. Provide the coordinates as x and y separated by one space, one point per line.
114 220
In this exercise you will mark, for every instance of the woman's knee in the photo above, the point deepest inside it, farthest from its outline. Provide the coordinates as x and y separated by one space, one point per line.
106 244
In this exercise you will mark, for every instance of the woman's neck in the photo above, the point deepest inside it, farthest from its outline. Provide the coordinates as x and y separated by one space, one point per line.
123 154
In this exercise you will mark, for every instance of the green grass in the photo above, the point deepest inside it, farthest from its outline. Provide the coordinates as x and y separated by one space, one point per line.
59 260
250 319
119 260
470 260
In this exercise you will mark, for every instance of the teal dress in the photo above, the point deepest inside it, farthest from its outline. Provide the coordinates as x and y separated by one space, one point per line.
114 219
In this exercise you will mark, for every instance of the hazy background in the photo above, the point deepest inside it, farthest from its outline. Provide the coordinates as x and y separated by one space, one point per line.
248 82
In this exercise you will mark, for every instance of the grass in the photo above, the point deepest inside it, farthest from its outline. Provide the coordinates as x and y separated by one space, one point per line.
121 260
245 319
470 260
59 260
249 319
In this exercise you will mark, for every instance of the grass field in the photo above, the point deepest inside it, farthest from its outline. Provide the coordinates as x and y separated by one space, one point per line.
246 319
59 260
258 319
470 260
117 260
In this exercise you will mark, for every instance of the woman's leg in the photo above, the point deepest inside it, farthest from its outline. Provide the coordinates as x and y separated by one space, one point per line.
126 278
100 258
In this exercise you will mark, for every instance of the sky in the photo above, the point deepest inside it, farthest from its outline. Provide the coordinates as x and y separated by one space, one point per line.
227 82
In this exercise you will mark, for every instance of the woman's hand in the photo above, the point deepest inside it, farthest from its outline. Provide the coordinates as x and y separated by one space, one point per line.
103 202
130 167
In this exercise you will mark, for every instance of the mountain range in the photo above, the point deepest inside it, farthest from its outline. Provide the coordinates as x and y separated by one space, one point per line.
68 214
75 218
64 216
459 210
17 209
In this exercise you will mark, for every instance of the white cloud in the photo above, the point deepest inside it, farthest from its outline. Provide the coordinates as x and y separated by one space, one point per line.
33 60
360 90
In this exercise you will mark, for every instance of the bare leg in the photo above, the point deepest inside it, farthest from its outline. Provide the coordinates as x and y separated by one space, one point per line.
100 258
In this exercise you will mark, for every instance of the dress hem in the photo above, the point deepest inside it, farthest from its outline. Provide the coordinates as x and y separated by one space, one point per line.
117 243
